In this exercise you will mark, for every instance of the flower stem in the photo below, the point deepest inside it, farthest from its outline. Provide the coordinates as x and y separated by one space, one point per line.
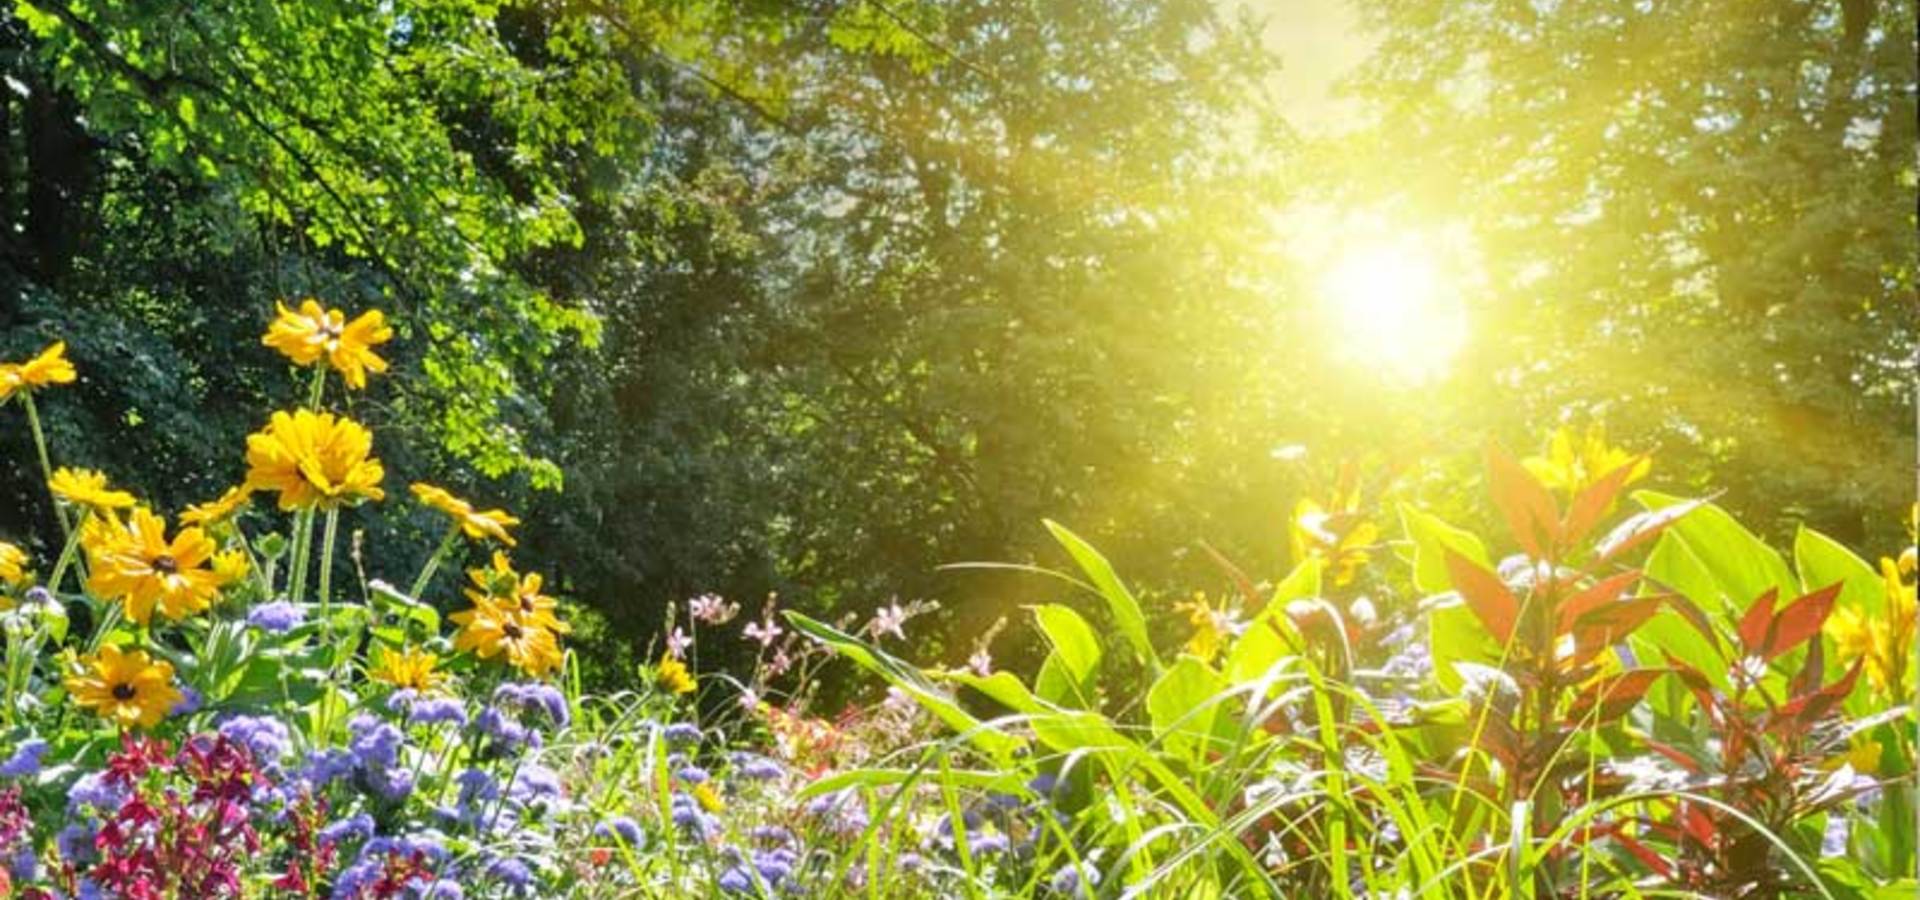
433 562
302 547
46 464
326 570
67 554
318 387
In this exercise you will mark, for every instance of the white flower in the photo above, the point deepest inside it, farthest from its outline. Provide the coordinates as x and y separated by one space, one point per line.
889 621
766 632
677 643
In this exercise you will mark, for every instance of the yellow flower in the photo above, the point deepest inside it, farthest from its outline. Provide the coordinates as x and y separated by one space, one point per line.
133 562
230 566
1884 641
492 523
213 512
126 687
1339 539
1211 626
1572 465
314 459
675 677
13 564
308 335
492 629
412 668
86 487
50 367
709 798
503 586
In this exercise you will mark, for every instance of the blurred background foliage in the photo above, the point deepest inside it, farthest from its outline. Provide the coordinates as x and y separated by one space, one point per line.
815 297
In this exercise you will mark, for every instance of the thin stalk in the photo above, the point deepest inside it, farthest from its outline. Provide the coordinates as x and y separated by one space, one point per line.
67 553
318 387
302 548
46 463
433 562
326 569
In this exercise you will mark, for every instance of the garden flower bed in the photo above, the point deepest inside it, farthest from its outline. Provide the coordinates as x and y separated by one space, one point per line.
1631 696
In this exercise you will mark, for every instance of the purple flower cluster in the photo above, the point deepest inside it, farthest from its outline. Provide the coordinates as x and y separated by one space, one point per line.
277 617
25 761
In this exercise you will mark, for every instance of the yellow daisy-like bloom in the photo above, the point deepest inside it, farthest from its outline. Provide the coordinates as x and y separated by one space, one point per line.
13 564
133 562
314 459
1572 465
675 677
502 585
213 512
126 687
1884 641
492 523
86 487
412 668
231 565
312 333
493 629
1211 627
49 368
709 798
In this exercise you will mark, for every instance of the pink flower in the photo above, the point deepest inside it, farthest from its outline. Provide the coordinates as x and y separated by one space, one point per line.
709 608
981 662
889 621
677 643
766 632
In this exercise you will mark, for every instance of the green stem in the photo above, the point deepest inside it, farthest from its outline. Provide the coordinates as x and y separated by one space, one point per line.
46 463
67 553
302 548
326 569
109 617
318 387
433 562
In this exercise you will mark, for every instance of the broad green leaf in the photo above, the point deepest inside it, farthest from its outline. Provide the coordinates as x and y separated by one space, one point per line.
1126 610
1455 635
997 745
1673 567
1823 561
1073 640
1264 642
1742 566
1186 705
1431 539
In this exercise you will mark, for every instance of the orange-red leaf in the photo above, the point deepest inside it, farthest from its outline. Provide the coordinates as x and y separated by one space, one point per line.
1615 696
1601 592
1611 623
1596 500
1800 621
1485 594
1531 513
1758 621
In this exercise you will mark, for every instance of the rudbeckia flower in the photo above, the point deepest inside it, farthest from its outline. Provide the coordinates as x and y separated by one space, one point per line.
493 629
86 487
675 677
125 686
133 562
1884 640
521 594
492 523
1341 539
213 512
13 564
411 668
312 333
49 368
314 459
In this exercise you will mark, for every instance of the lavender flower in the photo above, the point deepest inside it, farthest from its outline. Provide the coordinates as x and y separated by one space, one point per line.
96 791
621 827
680 734
336 833
438 711
1073 881
694 775
510 872
25 761
278 617
757 767
188 704
373 743
535 782
75 843
265 737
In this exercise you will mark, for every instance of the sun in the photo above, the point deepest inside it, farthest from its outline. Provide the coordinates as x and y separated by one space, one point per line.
1395 309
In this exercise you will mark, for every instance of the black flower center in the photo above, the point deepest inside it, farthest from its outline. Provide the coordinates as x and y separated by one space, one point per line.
123 692
165 564
526 603
512 631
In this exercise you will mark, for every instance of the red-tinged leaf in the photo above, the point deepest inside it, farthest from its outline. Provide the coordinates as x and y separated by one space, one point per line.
1593 503
1250 600
1697 684
1802 620
1615 696
1807 709
1678 756
1532 515
1610 624
1601 592
1758 621
1640 528
1485 594
1812 670
1698 825
1645 855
